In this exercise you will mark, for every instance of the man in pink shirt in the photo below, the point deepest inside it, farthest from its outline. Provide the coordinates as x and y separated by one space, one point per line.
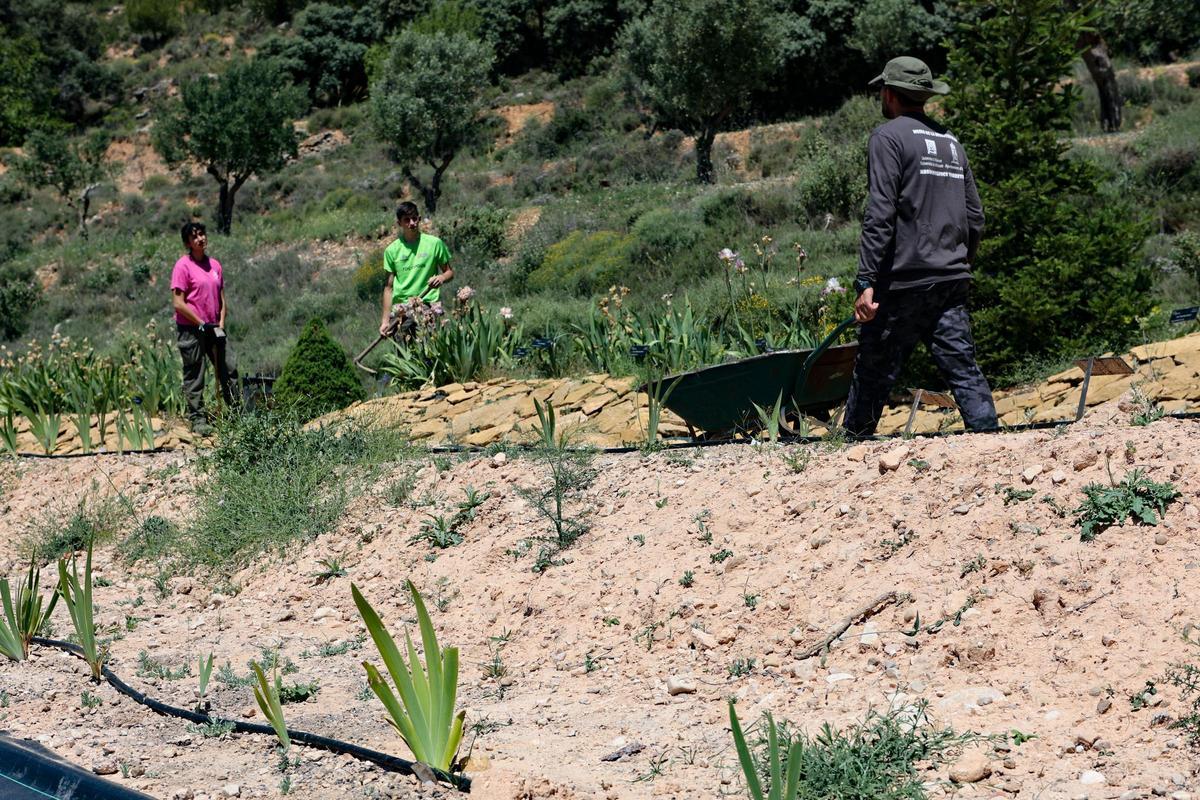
198 290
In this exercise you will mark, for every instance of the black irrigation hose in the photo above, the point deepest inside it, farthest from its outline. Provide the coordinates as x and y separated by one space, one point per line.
388 762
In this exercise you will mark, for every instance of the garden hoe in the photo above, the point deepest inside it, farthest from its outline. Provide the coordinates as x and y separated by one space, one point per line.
391 331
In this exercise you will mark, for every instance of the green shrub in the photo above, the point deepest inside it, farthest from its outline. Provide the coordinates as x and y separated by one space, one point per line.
370 277
834 181
318 376
731 210
325 52
18 295
1161 92
566 131
480 227
59 533
153 538
155 19
661 233
1136 498
584 263
1057 273
880 758
1186 253
269 483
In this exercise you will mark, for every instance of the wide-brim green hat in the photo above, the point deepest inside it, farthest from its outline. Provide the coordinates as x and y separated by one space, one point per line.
911 76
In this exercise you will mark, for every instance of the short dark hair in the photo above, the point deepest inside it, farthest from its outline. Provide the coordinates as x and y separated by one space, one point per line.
189 230
407 209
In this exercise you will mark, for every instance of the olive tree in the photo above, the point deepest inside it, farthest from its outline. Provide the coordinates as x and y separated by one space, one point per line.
74 169
697 63
426 103
236 125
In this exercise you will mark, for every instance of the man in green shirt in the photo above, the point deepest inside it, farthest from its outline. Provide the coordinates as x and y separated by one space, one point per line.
418 263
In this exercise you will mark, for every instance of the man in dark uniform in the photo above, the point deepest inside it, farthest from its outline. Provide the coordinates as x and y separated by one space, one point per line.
919 238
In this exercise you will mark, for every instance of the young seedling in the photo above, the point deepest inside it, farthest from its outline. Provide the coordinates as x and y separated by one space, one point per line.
24 617
778 789
149 667
688 579
77 595
1135 498
467 507
656 398
267 694
205 672
1012 495
798 460
330 568
769 418
439 532
974 565
423 713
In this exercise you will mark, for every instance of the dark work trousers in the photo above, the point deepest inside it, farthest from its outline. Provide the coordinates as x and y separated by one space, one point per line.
938 317
196 348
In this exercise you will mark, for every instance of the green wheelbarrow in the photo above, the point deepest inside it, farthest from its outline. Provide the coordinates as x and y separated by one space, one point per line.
720 400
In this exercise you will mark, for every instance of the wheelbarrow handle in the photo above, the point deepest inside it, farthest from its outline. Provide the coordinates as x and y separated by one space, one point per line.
819 350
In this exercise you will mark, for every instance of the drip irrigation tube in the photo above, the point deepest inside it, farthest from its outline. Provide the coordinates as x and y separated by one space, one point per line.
386 761
29 771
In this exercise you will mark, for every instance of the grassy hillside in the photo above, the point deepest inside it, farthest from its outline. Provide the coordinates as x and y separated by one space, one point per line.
565 193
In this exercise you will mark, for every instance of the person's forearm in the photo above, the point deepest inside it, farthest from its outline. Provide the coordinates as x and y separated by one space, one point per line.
387 306
190 313
221 319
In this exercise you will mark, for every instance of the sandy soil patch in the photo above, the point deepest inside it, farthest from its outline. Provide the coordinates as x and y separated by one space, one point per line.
517 117
1049 630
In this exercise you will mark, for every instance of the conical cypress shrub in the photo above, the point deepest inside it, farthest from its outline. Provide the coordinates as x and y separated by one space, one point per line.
318 376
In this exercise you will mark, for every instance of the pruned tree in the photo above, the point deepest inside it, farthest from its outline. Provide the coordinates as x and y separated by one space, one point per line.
236 125
426 103
24 99
696 63
1058 273
1104 75
73 168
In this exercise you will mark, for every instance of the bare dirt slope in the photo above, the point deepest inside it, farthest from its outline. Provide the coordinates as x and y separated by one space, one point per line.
1055 637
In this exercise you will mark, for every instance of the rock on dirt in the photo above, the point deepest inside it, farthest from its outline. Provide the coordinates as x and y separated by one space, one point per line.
971 767
679 684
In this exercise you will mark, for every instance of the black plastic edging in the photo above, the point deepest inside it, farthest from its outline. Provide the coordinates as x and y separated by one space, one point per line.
389 762
33 772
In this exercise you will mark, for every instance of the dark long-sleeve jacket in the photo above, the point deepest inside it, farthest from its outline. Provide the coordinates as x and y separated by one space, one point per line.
923 212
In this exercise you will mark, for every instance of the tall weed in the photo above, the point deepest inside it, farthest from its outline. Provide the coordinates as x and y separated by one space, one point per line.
270 482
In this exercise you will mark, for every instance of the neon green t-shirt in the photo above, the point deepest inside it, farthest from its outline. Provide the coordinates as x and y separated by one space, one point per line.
413 265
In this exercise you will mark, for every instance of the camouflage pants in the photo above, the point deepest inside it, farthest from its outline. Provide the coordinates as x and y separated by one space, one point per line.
938 317
195 349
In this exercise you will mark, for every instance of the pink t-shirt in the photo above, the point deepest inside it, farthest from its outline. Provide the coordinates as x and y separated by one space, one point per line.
201 285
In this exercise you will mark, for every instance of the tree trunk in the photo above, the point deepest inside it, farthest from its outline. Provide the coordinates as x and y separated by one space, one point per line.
704 146
430 193
435 185
1100 66
85 202
224 209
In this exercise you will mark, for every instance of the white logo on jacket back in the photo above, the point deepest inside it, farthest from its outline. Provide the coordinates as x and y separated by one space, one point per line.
931 147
